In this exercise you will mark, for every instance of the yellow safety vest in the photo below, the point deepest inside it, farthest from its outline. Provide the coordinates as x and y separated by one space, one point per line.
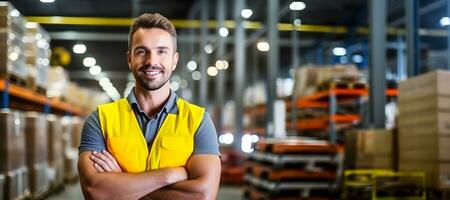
172 146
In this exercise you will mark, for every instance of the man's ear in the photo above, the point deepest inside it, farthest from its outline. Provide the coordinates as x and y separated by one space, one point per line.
129 59
176 56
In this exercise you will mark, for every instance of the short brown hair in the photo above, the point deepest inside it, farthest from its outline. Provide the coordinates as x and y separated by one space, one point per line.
147 21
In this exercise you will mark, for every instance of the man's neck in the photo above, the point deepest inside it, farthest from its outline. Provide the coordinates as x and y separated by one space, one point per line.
151 102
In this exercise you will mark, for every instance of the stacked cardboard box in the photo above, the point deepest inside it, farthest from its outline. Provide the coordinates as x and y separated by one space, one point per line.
12 31
12 154
70 153
2 186
370 149
55 156
36 152
424 127
37 54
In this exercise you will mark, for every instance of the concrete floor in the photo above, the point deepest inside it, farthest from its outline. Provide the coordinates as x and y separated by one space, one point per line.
73 192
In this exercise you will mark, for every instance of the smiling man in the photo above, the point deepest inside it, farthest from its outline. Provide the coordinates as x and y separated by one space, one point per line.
152 144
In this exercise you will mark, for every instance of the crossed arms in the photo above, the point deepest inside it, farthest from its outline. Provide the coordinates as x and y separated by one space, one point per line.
102 178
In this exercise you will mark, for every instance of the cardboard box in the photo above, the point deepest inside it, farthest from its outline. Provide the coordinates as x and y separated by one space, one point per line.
368 149
77 126
12 140
434 83
55 173
426 104
435 122
36 138
38 179
424 148
16 184
55 132
437 173
2 186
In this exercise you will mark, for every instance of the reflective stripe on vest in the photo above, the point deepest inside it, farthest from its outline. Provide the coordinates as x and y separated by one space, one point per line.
172 146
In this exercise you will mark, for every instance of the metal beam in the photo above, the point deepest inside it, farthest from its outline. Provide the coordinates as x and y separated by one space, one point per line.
220 80
377 67
412 37
239 71
273 62
295 65
203 56
422 11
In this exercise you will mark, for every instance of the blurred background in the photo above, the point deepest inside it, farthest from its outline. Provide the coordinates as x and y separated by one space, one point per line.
311 99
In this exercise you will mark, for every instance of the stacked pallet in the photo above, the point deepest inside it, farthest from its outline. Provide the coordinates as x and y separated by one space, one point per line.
12 155
293 169
71 126
55 156
36 153
12 31
424 127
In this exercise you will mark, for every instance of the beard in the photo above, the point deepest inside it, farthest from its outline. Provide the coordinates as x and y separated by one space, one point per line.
152 84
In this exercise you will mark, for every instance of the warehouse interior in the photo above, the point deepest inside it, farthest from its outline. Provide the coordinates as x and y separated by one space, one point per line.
311 99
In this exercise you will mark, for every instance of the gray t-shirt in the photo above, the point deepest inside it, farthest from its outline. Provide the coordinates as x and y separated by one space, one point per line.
205 140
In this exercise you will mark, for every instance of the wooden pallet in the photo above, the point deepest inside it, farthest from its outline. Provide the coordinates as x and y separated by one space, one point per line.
273 174
15 80
296 146
342 85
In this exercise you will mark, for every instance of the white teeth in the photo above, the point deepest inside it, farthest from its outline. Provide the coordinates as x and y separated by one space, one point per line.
152 73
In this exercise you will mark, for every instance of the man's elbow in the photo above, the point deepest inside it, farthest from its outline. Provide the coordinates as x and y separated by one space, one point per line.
91 191
205 192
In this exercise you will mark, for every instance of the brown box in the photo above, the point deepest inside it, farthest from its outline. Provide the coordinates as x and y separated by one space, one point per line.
12 140
70 167
430 122
424 148
77 126
437 173
368 149
16 184
434 83
56 173
55 132
2 186
36 138
38 179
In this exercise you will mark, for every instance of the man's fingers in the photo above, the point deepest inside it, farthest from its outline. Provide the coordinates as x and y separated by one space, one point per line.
114 161
98 168
101 163
105 159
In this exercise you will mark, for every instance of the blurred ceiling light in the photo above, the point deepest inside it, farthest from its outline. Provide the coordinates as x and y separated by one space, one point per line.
246 13
95 70
212 71
79 48
223 32
263 46
174 86
226 138
89 61
357 58
445 21
297 5
47 1
339 51
196 75
192 65
220 64
208 48
225 64
297 22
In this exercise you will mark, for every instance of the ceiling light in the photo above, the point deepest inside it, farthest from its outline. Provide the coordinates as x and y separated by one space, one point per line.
343 59
15 13
104 81
225 64
192 65
212 71
223 32
174 86
445 21
226 138
246 13
339 51
196 75
263 46
47 1
297 22
297 5
220 64
79 48
183 84
89 61
357 58
95 70
208 48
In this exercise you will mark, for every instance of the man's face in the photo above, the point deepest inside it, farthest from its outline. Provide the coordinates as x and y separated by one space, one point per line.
152 57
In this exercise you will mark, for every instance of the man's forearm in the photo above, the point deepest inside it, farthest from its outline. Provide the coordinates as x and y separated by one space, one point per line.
192 189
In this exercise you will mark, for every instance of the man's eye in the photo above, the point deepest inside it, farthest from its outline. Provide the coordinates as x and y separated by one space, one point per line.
139 52
162 51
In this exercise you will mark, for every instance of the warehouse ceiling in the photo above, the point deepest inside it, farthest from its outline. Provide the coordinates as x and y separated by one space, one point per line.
107 43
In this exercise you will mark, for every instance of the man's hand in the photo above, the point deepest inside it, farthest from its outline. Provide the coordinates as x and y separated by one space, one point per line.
105 162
